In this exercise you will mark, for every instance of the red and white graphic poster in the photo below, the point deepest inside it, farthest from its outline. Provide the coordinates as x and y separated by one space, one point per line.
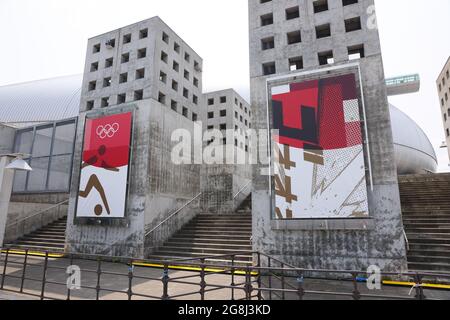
104 169
319 164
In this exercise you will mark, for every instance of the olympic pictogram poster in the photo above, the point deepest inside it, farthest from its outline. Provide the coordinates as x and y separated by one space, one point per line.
104 169
319 164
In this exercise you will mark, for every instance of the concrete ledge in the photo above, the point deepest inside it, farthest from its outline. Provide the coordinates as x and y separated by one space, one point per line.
323 224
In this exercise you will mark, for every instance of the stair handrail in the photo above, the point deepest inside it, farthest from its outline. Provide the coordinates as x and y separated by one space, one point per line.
37 214
406 239
172 215
242 190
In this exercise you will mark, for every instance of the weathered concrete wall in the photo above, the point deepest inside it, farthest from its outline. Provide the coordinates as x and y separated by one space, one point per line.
329 244
6 182
220 184
171 186
157 187
7 135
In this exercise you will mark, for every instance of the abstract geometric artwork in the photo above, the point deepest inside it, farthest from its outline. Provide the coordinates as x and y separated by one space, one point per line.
104 169
319 169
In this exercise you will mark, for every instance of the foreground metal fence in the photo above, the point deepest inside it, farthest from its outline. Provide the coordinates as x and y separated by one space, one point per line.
46 275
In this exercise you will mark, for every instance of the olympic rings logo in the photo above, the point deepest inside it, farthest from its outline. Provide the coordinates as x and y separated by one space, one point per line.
107 131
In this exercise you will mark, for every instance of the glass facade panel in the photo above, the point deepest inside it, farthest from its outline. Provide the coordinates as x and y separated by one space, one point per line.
51 149
60 170
64 136
20 180
24 141
42 141
37 179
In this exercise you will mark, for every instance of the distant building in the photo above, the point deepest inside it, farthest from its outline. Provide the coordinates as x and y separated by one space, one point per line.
305 57
443 85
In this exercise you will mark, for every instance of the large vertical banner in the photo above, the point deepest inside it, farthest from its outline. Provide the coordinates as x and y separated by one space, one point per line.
319 160
104 169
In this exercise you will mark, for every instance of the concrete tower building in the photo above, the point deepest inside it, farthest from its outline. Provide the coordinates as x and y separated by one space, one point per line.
226 185
148 71
227 110
146 60
303 40
443 84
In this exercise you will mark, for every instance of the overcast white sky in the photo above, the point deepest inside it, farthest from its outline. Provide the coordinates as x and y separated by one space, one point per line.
47 38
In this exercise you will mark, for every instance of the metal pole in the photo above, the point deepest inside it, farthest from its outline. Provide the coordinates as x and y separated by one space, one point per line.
44 276
283 294
269 265
259 277
356 293
24 270
165 281
130 280
233 284
202 280
4 268
99 275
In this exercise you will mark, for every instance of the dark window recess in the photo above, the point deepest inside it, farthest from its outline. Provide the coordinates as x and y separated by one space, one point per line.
267 43
292 13
320 6
323 31
267 19
356 52
269 68
294 37
353 24
295 63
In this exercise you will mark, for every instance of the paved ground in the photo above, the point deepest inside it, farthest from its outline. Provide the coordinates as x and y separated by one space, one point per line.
183 285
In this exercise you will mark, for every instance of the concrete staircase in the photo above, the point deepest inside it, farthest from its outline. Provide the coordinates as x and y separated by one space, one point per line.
210 235
426 217
49 238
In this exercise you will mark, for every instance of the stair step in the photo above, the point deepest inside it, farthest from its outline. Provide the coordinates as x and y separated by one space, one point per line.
429 267
424 235
210 244
206 251
429 259
215 235
436 225
429 252
35 247
41 239
208 261
40 243
427 230
184 254
210 240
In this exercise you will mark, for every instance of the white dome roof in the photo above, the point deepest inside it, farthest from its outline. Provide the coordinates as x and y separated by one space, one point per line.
40 101
414 152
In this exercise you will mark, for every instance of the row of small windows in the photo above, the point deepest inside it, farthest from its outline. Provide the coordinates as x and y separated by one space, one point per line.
123 78
322 31
447 76
294 12
162 97
223 99
325 58
125 58
175 87
142 52
126 39
176 67
121 98
445 99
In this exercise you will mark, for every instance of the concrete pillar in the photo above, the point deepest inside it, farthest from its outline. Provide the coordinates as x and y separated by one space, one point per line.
6 184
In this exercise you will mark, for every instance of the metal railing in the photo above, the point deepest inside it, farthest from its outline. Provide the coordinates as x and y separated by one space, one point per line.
268 278
242 190
172 215
26 225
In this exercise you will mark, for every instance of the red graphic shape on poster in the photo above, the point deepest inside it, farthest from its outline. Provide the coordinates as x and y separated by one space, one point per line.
107 141
325 100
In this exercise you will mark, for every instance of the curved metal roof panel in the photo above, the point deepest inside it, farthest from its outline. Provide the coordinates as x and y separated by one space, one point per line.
41 101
